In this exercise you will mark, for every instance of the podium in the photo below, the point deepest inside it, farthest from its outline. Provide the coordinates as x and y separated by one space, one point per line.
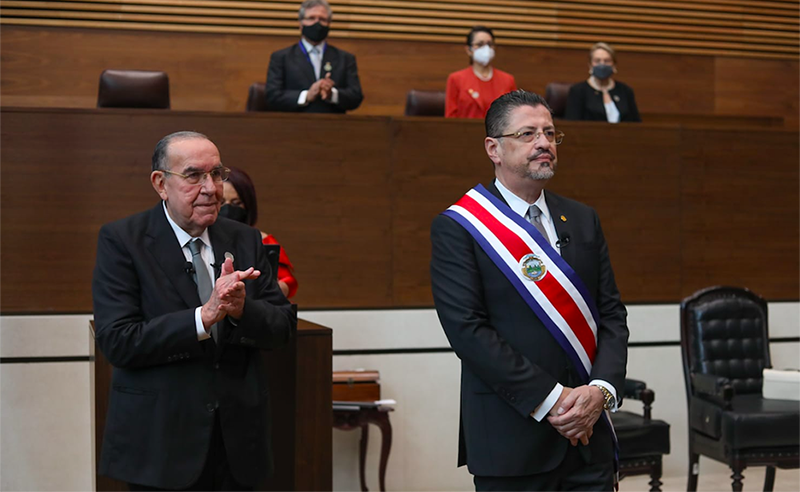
299 377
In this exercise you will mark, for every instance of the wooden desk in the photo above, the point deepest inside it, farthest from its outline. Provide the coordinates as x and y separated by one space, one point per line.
299 378
683 207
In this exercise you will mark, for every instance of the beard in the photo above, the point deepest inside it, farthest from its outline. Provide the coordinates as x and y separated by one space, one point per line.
545 171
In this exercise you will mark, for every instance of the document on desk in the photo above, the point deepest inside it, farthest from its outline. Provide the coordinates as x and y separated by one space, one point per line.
781 385
357 405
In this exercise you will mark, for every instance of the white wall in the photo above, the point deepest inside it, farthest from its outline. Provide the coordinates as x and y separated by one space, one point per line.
45 423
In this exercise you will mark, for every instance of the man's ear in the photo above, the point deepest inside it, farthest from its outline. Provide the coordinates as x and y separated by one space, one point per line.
157 180
468 49
492 146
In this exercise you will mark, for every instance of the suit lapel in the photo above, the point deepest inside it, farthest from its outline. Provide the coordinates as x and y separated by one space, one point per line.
221 242
167 253
564 228
304 62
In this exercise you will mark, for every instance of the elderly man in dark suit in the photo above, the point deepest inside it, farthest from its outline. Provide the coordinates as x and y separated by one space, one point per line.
312 76
524 290
183 329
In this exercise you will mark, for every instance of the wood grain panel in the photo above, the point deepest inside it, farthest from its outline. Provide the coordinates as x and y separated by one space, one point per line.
740 214
746 28
351 199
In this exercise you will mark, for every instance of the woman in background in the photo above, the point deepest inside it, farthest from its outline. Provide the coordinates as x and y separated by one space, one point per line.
471 91
600 97
240 204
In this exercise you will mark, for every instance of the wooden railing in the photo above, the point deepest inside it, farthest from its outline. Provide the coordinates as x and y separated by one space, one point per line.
760 29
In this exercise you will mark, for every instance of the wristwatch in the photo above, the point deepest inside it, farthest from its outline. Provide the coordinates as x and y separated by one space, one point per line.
609 398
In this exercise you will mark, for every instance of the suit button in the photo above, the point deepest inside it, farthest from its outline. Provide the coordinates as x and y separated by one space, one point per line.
216 365
512 398
210 407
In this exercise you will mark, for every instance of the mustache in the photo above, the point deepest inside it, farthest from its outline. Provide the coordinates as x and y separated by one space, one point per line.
540 153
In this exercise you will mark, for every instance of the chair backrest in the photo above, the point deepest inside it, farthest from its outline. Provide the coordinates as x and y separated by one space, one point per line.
556 96
424 103
257 97
133 89
724 333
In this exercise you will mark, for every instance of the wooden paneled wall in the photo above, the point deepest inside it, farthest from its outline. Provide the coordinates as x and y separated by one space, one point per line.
60 67
761 29
683 207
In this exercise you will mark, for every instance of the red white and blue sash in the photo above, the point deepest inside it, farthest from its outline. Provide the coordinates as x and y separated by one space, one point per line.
549 286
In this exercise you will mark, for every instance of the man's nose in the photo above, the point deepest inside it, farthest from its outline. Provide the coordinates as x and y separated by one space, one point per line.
208 184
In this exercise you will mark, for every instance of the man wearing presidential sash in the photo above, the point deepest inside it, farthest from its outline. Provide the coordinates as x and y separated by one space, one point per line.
525 292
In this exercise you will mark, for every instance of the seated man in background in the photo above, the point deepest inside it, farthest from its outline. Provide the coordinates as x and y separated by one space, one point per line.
313 76
183 328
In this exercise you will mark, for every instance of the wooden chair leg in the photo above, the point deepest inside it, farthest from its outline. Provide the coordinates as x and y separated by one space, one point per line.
769 479
694 471
655 476
737 477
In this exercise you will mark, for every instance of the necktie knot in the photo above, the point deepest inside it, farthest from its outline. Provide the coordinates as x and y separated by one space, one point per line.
534 212
195 246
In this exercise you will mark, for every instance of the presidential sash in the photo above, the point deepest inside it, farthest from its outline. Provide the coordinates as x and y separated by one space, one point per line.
547 284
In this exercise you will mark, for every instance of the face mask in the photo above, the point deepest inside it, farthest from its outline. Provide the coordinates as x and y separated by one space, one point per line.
602 71
233 212
483 55
316 32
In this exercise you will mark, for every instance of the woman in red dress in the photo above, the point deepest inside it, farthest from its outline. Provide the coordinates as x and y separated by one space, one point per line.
240 198
471 91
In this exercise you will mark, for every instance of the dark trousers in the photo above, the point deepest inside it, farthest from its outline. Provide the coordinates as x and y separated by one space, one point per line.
216 474
572 474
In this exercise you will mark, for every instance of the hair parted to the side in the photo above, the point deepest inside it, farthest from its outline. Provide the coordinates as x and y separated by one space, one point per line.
310 4
244 187
160 155
605 47
477 29
497 116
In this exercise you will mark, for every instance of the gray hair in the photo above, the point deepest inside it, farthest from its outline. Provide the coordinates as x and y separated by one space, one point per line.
160 155
310 4
499 111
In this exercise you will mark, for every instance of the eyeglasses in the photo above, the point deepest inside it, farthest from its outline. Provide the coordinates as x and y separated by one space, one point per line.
314 19
218 175
481 45
527 136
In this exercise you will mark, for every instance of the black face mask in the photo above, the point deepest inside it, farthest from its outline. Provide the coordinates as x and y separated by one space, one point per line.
602 72
316 32
233 212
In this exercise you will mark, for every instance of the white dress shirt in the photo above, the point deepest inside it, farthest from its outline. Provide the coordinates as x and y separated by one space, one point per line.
520 206
207 253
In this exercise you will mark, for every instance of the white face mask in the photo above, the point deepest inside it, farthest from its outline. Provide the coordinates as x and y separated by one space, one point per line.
483 55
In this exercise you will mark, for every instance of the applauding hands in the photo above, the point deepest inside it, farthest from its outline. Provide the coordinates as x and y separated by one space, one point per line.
228 296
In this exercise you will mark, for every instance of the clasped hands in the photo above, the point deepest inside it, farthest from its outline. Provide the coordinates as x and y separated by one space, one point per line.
576 412
228 296
322 88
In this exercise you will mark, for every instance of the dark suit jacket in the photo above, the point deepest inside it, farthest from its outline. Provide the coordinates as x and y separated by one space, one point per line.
167 385
290 73
509 361
586 103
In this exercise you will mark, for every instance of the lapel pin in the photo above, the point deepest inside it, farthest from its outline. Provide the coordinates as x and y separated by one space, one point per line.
563 219
228 254
328 67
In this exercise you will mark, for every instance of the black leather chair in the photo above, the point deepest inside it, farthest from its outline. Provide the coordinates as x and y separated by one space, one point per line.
257 97
425 103
133 89
642 441
556 96
725 348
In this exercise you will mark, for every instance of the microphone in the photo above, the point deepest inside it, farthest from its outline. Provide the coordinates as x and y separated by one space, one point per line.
563 240
189 268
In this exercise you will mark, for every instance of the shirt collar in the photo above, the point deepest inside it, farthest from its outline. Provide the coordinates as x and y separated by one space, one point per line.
183 236
308 46
519 205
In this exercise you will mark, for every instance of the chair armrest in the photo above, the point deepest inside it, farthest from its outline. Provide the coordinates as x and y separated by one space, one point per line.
713 388
638 390
634 388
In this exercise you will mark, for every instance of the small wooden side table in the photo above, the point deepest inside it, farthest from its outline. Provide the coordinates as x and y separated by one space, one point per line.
351 416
